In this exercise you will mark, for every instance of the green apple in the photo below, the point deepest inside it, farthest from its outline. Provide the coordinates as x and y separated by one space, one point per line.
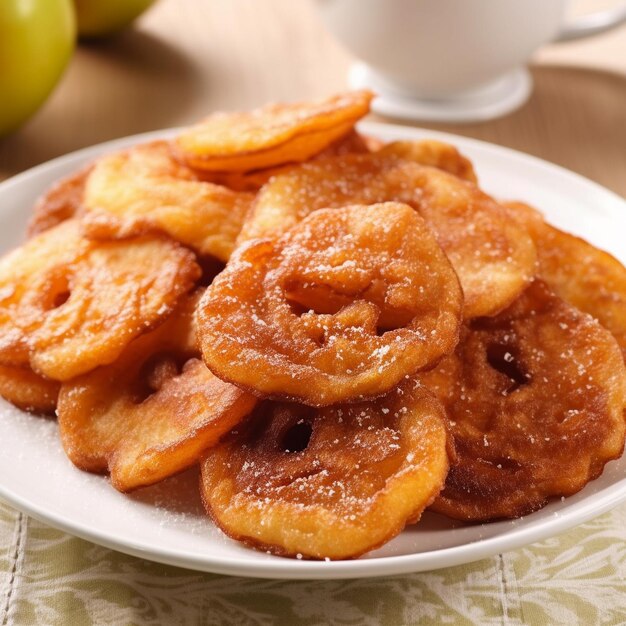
37 38
100 18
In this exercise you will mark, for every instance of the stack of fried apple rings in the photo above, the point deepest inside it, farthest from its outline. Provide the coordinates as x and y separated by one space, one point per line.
341 333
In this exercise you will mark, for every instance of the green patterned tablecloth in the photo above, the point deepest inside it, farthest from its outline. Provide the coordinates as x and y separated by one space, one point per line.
49 577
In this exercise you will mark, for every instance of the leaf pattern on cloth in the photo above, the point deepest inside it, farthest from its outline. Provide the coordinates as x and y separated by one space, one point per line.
576 578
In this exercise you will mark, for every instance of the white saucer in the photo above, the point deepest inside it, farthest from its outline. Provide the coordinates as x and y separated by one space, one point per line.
495 100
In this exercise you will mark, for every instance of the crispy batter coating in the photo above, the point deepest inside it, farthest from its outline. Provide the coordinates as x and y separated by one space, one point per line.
581 274
144 190
68 305
250 181
373 144
352 143
28 391
61 202
434 154
153 412
273 135
343 306
535 398
493 256
328 483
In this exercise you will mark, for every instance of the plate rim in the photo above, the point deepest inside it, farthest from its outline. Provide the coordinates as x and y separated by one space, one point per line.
579 512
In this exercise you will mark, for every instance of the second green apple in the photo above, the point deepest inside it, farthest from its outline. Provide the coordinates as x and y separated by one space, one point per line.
101 18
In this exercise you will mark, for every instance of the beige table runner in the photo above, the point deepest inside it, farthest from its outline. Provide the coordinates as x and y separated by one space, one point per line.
49 577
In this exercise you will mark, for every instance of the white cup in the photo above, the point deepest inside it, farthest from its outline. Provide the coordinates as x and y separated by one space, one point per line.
452 59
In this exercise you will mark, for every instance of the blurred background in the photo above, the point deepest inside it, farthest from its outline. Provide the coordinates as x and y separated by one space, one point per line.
184 58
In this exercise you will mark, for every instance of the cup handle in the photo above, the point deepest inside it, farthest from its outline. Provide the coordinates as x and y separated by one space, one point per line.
593 23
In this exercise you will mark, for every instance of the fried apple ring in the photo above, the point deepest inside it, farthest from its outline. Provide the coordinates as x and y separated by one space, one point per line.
342 307
144 189
493 256
352 143
590 279
272 135
434 154
61 202
28 391
68 305
535 397
153 412
328 483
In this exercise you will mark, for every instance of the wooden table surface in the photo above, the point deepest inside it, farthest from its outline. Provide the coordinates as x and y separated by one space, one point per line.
185 58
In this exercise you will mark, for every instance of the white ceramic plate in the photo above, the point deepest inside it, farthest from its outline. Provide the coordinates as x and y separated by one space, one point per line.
166 523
